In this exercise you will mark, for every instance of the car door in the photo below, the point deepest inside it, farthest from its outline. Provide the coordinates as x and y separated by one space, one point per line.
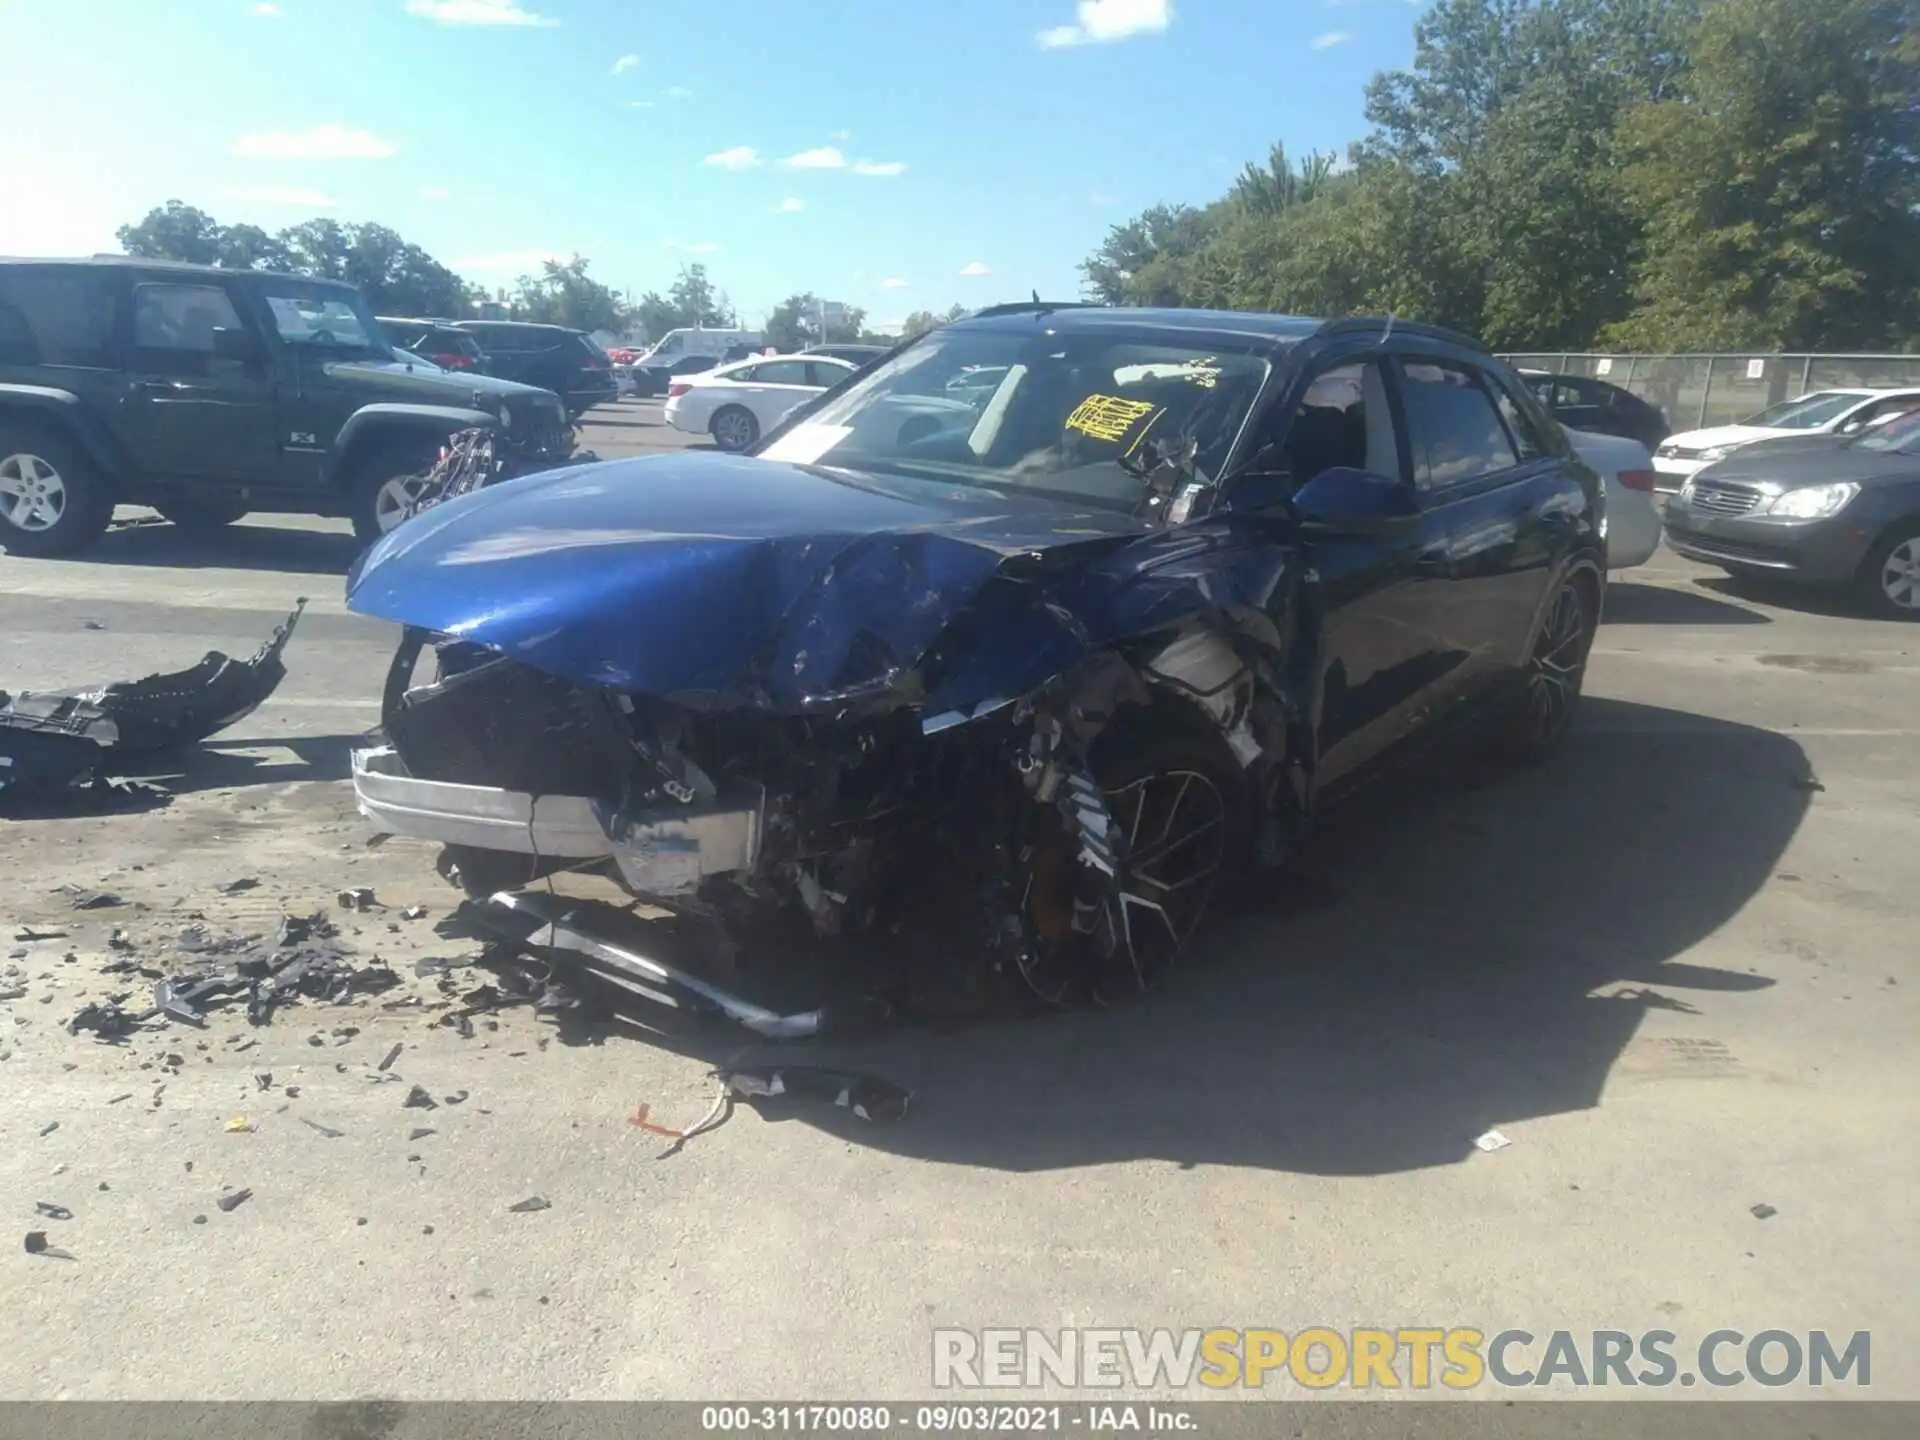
1509 506
200 398
1579 405
1379 596
776 387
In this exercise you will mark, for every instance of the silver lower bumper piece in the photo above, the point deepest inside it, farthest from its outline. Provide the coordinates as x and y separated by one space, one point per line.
659 852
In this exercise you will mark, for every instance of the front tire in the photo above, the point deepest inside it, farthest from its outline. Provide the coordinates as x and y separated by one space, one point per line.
51 501
1889 581
1554 674
1184 811
734 429
387 484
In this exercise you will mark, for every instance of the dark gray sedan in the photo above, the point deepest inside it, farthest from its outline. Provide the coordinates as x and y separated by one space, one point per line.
1830 510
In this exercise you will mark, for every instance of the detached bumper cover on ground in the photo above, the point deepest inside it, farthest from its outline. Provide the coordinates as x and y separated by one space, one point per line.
53 739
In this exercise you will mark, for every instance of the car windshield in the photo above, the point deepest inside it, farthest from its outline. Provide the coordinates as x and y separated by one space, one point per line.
326 319
1902 435
1084 415
1809 412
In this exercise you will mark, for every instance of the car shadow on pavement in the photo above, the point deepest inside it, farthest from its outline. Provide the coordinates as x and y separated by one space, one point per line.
1834 604
1632 604
226 765
1478 951
237 547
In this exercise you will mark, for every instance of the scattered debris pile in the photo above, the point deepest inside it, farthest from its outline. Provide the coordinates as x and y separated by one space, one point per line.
301 962
59 740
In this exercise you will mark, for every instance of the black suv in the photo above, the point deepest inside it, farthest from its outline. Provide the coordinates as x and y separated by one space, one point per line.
437 341
211 393
553 357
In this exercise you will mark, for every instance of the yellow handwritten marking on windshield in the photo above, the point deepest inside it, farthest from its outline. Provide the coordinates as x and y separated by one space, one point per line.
1107 417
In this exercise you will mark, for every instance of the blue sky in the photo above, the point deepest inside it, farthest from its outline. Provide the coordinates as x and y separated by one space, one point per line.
896 154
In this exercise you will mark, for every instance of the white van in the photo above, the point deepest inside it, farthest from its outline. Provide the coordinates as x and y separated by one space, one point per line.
678 344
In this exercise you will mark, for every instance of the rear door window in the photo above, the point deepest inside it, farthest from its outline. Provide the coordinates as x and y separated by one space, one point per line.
1453 426
56 318
825 376
783 372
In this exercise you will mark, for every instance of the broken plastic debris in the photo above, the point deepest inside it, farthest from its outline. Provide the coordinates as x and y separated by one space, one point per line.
233 1200
98 900
866 1096
234 887
36 1242
359 897
392 1055
419 1099
1492 1140
419 1133
326 1130
530 1204
1763 1211
52 1211
239 1125
414 912
48 1128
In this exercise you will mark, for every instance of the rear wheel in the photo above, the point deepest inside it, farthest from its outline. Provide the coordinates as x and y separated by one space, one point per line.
201 516
1554 674
51 502
734 428
387 484
1889 582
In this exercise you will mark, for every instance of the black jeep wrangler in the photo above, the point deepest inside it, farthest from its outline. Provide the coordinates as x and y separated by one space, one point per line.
211 393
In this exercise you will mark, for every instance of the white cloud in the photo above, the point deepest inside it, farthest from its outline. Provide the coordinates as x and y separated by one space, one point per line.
790 206
894 282
738 157
678 92
269 10
1330 39
1104 21
824 157
636 104
973 269
435 192
508 262
476 12
295 195
879 167
323 142
625 63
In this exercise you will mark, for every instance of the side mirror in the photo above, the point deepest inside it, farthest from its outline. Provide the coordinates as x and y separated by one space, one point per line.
1355 504
232 344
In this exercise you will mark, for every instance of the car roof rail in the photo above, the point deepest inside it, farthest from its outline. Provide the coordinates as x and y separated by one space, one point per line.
1035 306
1388 323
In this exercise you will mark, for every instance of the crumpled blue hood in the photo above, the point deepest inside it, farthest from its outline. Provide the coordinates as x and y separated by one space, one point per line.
715 579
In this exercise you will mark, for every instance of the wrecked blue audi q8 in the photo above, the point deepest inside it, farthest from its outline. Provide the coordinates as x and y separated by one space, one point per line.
996 661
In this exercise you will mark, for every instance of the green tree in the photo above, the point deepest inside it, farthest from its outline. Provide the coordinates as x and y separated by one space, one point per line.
793 323
178 231
656 314
918 323
564 294
1146 260
697 302
1782 190
1279 184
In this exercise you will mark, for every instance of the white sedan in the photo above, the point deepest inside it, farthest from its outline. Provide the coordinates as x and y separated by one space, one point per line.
1633 525
738 403
1819 412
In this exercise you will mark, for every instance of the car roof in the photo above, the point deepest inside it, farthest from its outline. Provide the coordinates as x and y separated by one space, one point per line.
168 267
516 325
1258 326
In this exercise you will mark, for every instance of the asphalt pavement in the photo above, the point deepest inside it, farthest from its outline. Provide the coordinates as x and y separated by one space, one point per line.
1675 969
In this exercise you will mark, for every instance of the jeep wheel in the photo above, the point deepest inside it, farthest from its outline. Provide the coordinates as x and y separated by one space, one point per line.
50 501
202 517
387 485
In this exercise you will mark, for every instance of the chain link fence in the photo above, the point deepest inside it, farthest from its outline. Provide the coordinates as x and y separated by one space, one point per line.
1701 390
